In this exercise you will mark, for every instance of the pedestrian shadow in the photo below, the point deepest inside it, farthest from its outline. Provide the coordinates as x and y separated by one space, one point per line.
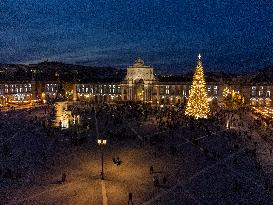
56 182
157 172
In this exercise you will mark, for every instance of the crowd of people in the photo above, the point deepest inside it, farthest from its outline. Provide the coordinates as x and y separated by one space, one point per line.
231 142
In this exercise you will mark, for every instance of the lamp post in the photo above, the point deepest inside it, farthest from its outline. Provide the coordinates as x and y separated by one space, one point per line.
102 142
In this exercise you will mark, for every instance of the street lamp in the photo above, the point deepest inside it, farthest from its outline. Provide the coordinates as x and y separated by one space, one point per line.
102 142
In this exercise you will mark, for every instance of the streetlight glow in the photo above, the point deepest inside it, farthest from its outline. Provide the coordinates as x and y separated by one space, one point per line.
102 142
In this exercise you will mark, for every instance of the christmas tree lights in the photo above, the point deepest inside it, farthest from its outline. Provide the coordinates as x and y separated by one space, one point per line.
198 105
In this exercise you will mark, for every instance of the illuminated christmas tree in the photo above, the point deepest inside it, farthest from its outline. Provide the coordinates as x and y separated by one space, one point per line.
198 105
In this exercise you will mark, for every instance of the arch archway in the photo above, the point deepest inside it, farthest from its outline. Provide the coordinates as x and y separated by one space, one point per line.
139 90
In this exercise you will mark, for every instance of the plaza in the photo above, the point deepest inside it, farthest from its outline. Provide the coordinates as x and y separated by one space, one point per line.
203 162
138 142
136 102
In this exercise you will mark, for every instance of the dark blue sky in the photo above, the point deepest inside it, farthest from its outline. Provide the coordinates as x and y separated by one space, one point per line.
232 35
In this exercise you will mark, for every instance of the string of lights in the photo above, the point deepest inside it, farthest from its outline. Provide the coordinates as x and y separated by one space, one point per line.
198 105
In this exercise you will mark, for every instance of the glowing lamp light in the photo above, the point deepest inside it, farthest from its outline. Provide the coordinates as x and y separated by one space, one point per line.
101 141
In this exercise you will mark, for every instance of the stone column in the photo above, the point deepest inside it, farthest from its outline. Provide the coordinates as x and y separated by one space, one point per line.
149 94
122 92
158 94
130 92
75 96
145 93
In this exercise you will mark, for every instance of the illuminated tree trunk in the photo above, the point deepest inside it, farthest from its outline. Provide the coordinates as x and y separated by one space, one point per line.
197 105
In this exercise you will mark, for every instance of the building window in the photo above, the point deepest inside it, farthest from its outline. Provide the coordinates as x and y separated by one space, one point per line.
261 90
184 93
209 88
215 90
253 91
167 89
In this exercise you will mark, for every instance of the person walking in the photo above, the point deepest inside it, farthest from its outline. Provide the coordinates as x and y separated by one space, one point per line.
155 181
164 180
151 169
63 178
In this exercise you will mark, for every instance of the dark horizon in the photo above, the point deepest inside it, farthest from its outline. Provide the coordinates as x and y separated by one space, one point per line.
232 36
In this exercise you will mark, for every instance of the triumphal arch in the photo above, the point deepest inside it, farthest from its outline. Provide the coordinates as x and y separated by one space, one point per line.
138 83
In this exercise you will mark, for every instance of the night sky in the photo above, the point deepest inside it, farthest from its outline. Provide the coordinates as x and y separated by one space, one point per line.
231 35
